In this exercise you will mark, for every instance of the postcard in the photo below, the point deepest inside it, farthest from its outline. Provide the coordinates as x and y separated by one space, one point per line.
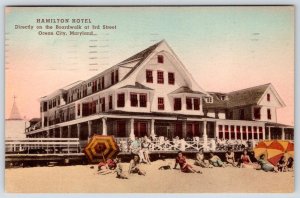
181 99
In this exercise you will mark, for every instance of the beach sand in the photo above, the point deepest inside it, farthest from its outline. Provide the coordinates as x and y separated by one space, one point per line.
82 179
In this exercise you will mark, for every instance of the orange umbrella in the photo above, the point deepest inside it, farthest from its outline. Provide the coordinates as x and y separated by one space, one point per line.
275 151
289 151
261 148
100 148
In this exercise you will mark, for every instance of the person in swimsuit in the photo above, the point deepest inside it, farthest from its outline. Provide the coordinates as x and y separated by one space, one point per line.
215 160
145 149
281 165
265 165
245 160
134 166
230 157
200 160
107 167
290 164
184 166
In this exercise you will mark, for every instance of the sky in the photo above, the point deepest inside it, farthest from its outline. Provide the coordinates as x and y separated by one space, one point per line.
225 48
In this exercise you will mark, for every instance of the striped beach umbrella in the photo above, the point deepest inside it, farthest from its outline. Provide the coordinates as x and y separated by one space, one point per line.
261 148
100 148
275 151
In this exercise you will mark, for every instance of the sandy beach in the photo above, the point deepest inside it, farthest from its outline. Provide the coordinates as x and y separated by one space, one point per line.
82 179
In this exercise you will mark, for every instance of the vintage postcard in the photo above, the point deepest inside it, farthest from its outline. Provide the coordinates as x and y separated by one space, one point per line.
181 99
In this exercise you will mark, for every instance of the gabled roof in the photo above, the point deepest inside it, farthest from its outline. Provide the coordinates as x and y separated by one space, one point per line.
185 90
136 86
248 96
243 97
139 57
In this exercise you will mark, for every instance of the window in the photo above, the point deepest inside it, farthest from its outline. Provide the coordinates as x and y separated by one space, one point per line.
160 59
99 84
45 106
161 105
209 100
242 114
102 104
268 97
160 77
171 78
117 76
110 102
257 113
102 82
121 100
112 77
78 109
133 100
189 105
269 114
143 100
45 121
149 77
196 103
177 104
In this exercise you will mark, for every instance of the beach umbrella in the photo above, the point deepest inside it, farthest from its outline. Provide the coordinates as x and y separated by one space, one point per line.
100 148
261 148
275 151
289 149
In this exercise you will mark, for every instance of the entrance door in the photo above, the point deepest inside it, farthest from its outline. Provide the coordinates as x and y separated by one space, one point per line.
121 129
178 130
140 129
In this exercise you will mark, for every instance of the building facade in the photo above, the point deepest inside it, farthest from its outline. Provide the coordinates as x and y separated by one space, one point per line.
152 93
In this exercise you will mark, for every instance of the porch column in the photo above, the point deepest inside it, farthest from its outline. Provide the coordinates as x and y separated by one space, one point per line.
205 135
131 135
89 129
229 130
152 134
60 132
247 131
282 133
69 131
104 126
235 132
78 130
264 133
269 131
184 129
216 132
224 132
252 129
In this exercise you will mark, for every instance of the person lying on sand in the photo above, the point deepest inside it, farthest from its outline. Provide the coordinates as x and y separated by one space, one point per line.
215 160
106 167
134 166
184 166
265 165
200 160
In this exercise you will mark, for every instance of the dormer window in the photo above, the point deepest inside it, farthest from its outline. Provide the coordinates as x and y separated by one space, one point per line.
209 100
160 59
268 97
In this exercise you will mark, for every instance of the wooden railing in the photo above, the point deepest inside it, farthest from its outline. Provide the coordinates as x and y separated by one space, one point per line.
42 145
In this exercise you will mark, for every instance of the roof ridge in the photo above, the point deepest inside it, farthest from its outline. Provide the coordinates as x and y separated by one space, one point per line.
248 88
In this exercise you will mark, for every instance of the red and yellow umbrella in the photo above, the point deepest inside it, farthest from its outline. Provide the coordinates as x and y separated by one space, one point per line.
275 151
100 148
261 148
